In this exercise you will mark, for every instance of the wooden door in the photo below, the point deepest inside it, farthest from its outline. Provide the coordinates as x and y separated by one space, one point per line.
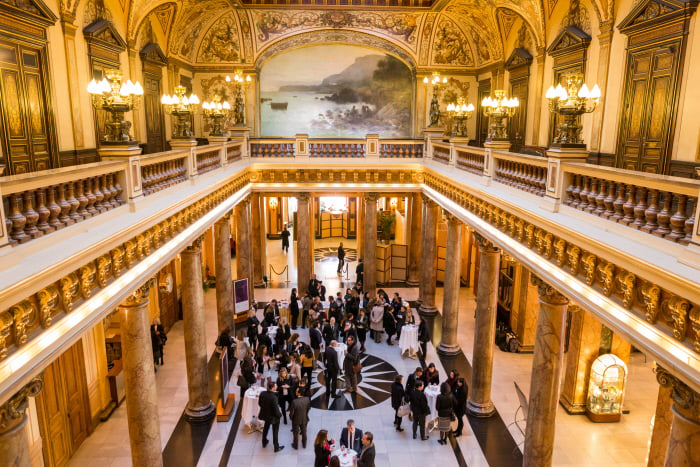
517 125
482 122
26 130
154 114
648 109
64 407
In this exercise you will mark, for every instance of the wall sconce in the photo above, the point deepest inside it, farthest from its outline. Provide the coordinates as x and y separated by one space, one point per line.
393 203
273 203
571 102
116 97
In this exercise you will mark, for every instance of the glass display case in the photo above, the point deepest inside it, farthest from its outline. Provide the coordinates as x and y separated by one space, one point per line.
606 389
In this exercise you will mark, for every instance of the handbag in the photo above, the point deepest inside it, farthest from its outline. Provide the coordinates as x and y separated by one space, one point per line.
404 410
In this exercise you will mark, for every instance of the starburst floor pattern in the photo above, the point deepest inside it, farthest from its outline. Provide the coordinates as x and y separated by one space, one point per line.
331 254
373 386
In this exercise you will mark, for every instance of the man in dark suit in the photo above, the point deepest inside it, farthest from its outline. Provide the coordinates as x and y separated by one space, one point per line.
351 437
366 458
413 378
299 413
313 286
270 413
332 369
315 339
420 409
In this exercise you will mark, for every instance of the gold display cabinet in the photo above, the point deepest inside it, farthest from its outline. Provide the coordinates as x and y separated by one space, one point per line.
606 389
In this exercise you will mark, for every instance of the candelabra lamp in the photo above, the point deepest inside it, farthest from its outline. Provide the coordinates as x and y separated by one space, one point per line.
460 112
499 109
435 82
182 107
215 111
116 97
571 102
239 103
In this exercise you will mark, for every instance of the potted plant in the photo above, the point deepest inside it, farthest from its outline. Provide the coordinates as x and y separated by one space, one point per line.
385 221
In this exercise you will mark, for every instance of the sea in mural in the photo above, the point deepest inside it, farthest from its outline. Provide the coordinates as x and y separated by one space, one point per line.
335 90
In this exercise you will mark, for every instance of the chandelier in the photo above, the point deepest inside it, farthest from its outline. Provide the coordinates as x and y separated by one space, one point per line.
239 104
182 107
571 102
498 109
436 82
460 112
215 111
116 97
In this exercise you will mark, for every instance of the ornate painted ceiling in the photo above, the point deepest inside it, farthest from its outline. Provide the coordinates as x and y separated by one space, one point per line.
447 34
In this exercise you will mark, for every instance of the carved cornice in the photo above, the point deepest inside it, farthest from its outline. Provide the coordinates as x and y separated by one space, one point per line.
139 297
686 401
485 244
12 411
548 294
371 197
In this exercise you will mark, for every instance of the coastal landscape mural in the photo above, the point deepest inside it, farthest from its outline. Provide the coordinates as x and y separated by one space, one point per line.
335 90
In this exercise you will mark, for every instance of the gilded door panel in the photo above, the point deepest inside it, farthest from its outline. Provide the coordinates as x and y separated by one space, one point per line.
11 104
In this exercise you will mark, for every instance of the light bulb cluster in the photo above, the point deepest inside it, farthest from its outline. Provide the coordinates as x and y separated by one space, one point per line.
215 111
570 102
179 102
435 81
116 97
216 106
239 104
460 112
500 104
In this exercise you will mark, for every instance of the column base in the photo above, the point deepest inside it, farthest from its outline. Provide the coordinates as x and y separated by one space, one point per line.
572 408
259 284
200 414
449 351
481 410
426 311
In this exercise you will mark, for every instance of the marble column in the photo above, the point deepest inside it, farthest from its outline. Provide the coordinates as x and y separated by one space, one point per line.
258 244
546 373
684 440
479 403
448 345
224 285
523 318
360 222
414 244
140 379
584 344
428 270
14 444
244 257
199 406
370 254
663 419
305 255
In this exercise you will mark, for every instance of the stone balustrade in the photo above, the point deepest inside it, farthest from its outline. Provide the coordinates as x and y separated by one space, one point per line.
441 152
325 148
402 149
274 148
527 173
470 159
163 170
208 159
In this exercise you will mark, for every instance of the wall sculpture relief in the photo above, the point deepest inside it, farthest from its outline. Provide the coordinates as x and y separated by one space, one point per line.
401 26
450 45
188 26
221 42
489 43
506 20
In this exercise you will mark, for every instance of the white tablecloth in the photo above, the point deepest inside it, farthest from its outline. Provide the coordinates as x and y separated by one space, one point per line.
272 332
250 404
340 349
346 458
409 338
431 393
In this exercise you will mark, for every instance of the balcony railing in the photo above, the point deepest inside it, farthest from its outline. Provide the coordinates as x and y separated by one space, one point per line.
527 173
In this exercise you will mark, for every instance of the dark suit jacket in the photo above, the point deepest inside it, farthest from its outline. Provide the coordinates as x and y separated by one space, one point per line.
299 410
315 338
366 458
419 404
269 407
332 360
356 442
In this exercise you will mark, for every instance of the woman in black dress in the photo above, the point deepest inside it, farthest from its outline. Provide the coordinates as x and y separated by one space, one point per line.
460 390
444 405
398 397
294 308
389 324
322 449
361 325
253 324
284 391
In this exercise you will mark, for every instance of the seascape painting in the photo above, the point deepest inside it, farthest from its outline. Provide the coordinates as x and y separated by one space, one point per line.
335 90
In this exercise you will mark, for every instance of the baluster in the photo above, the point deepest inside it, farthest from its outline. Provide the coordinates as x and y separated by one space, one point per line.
678 220
118 188
542 181
576 192
532 178
90 195
591 196
99 196
65 205
584 193
107 192
651 212
55 209
146 179
689 225
18 219
113 183
628 207
30 228
619 203
8 228
600 199
609 201
44 213
82 201
641 206
569 200
74 203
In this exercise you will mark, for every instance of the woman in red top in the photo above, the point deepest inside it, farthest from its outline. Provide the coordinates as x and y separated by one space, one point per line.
322 449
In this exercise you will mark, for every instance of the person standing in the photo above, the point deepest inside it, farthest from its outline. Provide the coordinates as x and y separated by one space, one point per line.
444 405
341 258
313 286
299 414
270 413
158 339
284 391
330 331
351 364
361 326
420 409
400 317
376 318
413 379
294 307
307 363
423 338
322 449
351 437
389 325
366 457
247 378
306 304
332 369
285 234
315 339
460 390
398 397
360 272
252 324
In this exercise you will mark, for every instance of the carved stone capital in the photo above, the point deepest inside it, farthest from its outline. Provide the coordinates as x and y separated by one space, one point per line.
12 411
485 245
686 401
372 197
196 245
452 219
427 201
548 294
226 218
303 197
139 296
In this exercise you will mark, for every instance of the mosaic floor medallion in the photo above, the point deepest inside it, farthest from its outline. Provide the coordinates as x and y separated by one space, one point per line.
331 254
373 386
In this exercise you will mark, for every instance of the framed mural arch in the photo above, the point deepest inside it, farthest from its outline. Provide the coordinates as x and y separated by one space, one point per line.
335 84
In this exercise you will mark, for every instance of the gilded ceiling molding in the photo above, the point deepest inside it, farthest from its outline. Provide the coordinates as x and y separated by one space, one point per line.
450 46
336 37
